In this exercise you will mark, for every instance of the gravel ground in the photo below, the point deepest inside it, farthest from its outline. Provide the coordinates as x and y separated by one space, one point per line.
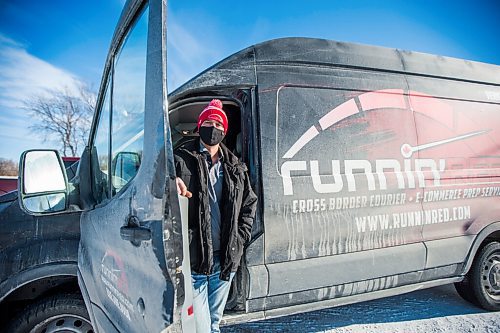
432 310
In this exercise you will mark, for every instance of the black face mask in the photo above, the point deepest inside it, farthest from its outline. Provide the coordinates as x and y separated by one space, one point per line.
211 135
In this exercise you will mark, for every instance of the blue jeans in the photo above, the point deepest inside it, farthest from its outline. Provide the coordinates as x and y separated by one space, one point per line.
210 295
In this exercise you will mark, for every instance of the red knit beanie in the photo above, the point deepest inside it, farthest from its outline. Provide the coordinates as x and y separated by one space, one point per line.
215 112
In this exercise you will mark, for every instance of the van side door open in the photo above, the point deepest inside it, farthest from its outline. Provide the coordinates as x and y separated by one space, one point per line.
130 255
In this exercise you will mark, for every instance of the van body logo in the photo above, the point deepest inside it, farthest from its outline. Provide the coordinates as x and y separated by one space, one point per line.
407 150
409 174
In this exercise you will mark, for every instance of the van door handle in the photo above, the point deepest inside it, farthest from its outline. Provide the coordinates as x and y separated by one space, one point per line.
134 232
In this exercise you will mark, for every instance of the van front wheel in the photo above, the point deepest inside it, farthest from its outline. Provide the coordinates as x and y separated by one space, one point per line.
485 277
57 313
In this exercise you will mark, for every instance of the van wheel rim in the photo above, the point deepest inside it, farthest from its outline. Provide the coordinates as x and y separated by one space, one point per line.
64 323
491 276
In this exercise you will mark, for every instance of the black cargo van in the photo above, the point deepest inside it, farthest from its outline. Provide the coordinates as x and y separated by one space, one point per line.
377 172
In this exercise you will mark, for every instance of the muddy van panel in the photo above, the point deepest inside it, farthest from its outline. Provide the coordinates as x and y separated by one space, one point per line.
331 150
378 168
316 117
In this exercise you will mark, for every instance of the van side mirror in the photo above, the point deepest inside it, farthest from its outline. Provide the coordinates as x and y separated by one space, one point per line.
124 167
42 182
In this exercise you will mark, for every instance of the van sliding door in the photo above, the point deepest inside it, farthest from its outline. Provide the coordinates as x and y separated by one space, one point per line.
341 215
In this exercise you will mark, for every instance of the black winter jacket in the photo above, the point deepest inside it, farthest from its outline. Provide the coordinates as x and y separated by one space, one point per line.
237 207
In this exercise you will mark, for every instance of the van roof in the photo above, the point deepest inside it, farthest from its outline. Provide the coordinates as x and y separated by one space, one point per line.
239 67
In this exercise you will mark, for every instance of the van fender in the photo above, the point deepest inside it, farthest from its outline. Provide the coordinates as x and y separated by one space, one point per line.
36 273
37 260
481 236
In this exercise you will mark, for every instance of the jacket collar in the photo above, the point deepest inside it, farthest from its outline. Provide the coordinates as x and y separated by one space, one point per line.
204 150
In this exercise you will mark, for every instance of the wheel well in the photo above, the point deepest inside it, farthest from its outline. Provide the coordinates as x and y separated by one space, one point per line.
495 236
34 290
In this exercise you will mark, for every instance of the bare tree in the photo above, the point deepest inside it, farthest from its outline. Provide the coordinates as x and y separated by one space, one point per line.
65 116
8 167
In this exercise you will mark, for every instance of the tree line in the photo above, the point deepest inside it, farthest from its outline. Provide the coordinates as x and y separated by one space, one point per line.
60 116
63 116
8 167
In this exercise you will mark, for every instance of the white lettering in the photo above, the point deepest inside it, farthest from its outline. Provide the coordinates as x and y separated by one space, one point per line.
337 182
389 164
365 165
286 168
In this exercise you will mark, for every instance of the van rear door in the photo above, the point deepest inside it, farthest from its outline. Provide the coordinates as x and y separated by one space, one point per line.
131 249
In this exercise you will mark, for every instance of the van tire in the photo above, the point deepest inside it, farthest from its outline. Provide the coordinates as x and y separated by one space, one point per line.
464 289
57 313
485 277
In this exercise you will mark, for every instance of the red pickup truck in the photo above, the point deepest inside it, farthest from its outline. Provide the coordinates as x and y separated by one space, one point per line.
7 184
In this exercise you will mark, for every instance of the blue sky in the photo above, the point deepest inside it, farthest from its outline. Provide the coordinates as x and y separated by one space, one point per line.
51 44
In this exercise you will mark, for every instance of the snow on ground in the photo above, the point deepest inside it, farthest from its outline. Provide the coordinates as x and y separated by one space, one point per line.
432 310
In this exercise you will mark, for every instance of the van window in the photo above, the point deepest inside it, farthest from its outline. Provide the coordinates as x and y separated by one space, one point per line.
128 106
100 186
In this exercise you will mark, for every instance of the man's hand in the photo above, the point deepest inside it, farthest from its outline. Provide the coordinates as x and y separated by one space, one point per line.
182 188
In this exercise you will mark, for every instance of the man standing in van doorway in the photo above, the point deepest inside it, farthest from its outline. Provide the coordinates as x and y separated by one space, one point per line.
221 212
